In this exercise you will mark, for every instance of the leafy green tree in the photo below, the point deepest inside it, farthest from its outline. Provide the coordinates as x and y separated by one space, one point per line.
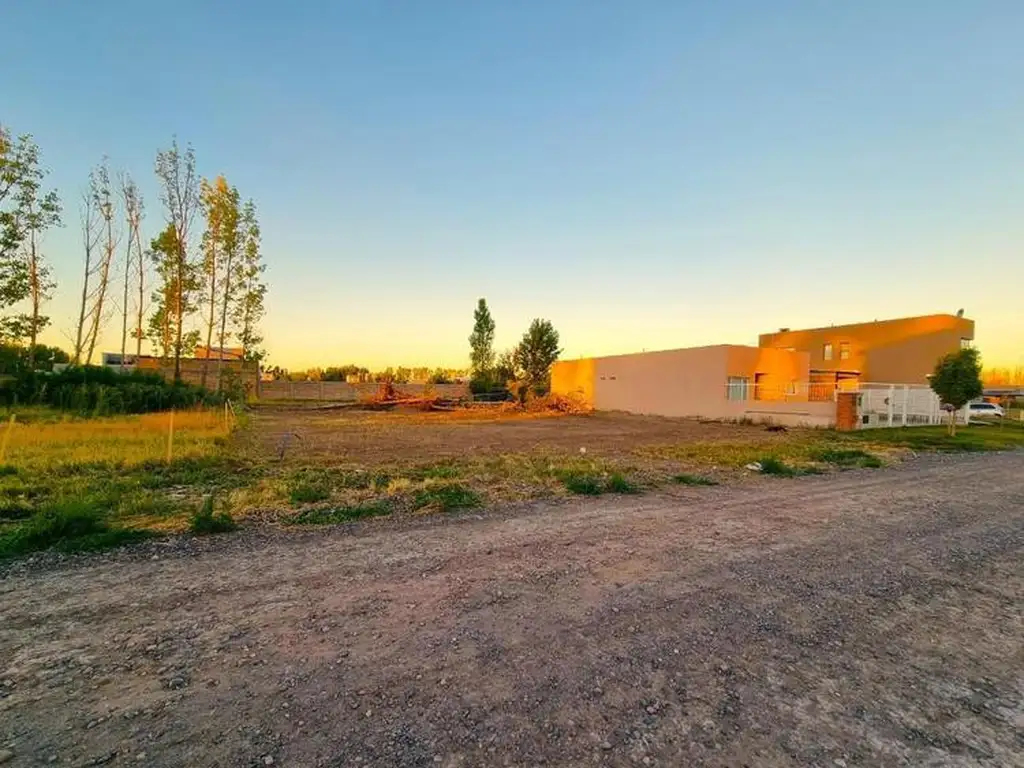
505 369
221 242
26 212
172 301
957 381
481 346
248 309
439 376
43 357
179 193
536 353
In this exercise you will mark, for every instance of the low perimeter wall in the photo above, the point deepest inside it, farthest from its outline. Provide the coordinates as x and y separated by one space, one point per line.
790 414
340 391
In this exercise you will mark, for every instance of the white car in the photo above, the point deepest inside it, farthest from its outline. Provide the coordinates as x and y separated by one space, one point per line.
985 411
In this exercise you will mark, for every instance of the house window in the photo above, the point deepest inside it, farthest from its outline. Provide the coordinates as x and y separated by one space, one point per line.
827 352
737 388
965 343
844 350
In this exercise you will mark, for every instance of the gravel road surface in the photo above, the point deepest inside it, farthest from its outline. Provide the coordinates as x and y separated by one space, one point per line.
867 618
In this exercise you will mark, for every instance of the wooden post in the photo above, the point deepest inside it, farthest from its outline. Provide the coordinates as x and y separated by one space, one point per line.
7 438
170 437
906 397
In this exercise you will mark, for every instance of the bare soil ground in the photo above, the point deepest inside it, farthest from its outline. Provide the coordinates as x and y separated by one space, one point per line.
853 619
314 436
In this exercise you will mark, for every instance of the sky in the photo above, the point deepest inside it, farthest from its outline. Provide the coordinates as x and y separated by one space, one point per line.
646 175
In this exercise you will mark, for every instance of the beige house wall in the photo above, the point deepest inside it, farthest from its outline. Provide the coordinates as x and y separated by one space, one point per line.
693 383
679 382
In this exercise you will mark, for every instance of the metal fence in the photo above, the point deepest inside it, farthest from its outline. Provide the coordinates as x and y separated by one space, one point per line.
902 405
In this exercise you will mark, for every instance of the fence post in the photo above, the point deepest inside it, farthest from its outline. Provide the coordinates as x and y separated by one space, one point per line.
7 438
890 405
906 397
170 437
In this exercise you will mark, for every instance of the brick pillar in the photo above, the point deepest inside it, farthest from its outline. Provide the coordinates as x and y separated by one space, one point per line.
846 411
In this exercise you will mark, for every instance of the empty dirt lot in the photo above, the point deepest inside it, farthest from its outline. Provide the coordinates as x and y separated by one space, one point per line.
854 619
411 436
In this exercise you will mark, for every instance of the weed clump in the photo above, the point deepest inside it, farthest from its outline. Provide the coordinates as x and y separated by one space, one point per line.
341 514
582 484
309 487
205 521
773 466
685 479
618 483
447 497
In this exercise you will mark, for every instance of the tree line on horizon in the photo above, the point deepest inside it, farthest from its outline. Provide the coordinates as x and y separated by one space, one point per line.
395 375
176 289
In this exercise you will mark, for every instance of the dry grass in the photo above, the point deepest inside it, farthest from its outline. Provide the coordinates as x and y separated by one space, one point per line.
126 440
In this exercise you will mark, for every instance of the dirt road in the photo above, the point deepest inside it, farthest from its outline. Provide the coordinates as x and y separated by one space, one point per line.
853 619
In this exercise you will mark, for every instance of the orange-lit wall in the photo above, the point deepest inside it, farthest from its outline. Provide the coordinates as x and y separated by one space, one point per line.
898 351
574 378
774 370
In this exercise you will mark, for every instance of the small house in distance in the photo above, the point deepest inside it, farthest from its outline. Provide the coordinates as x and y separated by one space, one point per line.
791 377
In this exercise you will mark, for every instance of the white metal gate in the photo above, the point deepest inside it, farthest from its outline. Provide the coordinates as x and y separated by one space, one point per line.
901 405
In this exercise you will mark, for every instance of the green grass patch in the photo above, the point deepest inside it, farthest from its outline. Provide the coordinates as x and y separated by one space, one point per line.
341 514
444 470
71 525
146 503
974 438
447 497
685 479
582 484
847 457
619 483
309 486
770 465
206 521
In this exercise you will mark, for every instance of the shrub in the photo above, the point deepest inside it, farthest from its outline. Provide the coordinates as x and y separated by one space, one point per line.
447 497
583 484
205 521
618 483
685 479
101 391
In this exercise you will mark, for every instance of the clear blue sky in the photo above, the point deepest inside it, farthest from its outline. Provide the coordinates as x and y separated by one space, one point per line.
645 174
